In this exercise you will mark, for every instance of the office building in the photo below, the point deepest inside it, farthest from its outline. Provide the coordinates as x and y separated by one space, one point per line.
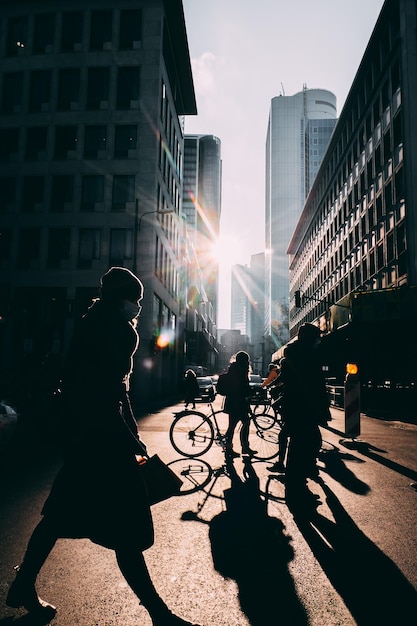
247 309
92 99
299 129
202 210
353 267
241 299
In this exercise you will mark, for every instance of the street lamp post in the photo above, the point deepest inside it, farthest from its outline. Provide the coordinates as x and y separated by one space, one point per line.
137 225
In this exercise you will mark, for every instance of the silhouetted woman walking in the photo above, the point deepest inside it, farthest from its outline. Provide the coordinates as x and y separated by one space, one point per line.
98 493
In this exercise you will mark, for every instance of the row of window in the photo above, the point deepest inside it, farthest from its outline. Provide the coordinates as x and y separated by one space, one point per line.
58 247
71 89
357 238
33 251
91 142
66 193
72 31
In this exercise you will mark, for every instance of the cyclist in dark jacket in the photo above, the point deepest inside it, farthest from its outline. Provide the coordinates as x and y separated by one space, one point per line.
304 407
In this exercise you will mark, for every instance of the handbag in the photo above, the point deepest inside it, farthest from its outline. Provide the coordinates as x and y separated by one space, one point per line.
160 481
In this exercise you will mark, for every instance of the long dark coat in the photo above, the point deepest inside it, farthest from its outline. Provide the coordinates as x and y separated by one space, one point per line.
304 406
237 398
305 401
98 493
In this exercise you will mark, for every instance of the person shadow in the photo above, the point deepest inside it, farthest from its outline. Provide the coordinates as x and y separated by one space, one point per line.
373 588
26 620
334 466
253 549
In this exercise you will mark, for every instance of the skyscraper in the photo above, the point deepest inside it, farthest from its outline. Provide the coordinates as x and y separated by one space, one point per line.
247 306
299 129
202 209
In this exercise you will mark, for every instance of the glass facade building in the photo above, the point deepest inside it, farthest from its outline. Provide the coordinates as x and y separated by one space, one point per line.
353 254
202 210
299 129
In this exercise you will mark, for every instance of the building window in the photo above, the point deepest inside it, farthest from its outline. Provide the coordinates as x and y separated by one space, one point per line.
130 32
61 193
89 248
128 83
65 142
7 194
58 247
36 142
72 31
123 191
98 87
12 92
33 193
29 247
125 139
16 35
5 244
43 36
68 89
92 192
9 143
95 142
40 91
100 29
121 246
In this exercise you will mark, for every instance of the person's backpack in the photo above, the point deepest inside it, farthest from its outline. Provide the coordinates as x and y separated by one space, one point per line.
222 387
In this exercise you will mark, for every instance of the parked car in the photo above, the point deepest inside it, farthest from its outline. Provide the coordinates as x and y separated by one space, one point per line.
8 424
255 383
207 390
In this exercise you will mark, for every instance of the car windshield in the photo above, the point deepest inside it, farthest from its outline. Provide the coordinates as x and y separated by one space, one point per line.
204 381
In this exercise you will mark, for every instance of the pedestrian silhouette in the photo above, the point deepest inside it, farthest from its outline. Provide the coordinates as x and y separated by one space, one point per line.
191 388
304 407
99 493
236 403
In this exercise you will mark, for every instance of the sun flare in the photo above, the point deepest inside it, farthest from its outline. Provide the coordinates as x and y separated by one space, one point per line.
227 250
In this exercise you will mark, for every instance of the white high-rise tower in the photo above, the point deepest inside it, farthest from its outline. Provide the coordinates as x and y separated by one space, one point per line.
299 129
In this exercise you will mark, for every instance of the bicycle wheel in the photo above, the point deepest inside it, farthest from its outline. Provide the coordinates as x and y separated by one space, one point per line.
194 473
266 419
265 442
191 433
258 407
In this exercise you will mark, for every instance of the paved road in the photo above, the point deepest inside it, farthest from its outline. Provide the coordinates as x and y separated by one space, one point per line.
216 562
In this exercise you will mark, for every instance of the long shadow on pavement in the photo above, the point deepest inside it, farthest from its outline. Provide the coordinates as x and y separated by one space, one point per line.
333 460
373 588
253 549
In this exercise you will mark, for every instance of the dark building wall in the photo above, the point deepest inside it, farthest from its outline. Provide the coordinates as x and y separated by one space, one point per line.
91 149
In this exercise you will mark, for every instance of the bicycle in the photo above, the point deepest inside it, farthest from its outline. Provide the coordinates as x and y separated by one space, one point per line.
192 434
267 412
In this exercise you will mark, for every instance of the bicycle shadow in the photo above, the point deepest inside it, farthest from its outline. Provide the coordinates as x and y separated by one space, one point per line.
245 541
373 588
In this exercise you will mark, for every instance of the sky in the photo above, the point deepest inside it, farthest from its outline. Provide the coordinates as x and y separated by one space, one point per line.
243 54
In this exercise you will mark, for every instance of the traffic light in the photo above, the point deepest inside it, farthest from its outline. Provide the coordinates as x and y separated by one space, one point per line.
297 295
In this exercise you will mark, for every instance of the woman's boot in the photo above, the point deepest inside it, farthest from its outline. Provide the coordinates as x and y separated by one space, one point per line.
22 592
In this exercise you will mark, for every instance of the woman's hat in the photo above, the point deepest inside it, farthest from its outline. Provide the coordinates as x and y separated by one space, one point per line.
119 283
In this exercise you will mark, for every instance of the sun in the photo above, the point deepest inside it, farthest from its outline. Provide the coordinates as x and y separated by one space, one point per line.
227 250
